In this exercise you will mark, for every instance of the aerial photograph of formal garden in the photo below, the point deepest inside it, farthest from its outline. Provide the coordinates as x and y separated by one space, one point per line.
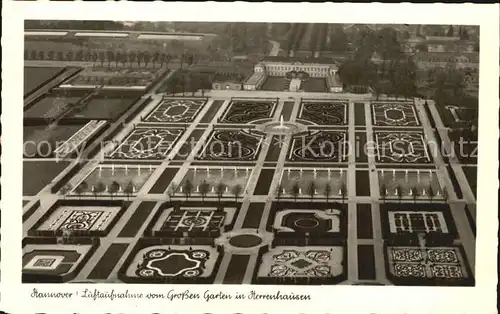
250 153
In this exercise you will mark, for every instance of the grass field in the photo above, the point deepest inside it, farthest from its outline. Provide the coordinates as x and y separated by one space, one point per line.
101 108
34 77
315 85
43 140
50 107
274 83
37 174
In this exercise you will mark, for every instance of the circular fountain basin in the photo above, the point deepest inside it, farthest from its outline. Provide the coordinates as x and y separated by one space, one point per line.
281 128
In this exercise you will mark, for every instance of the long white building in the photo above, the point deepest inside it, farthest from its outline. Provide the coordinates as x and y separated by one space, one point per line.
280 66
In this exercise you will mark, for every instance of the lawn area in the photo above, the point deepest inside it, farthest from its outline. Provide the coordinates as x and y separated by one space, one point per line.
315 85
50 107
34 77
274 83
37 174
42 140
102 108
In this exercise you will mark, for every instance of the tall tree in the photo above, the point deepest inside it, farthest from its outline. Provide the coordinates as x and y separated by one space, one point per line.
430 193
295 191
450 32
204 189
129 190
343 191
399 192
383 192
237 190
279 191
220 189
187 189
338 40
327 191
414 194
311 190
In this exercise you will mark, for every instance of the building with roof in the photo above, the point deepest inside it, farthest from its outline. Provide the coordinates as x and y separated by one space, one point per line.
227 81
280 66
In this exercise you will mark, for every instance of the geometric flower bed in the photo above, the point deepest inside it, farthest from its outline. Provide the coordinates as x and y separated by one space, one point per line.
232 145
394 114
176 110
49 261
429 219
247 111
324 113
302 265
427 265
85 218
178 220
173 264
319 146
401 147
147 143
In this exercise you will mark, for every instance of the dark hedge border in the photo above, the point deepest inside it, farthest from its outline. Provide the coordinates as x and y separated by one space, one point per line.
31 210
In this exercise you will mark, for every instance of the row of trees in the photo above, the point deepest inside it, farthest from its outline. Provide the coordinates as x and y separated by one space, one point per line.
188 82
311 190
243 38
415 194
188 188
100 188
322 37
124 58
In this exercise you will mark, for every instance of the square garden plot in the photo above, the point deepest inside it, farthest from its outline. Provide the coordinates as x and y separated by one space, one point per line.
53 261
176 110
428 266
394 114
317 220
323 112
83 218
319 146
248 111
432 220
152 262
38 174
147 143
401 147
207 219
302 265
226 144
